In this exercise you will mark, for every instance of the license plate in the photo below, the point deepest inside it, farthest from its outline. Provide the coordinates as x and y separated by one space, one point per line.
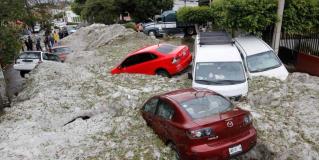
235 149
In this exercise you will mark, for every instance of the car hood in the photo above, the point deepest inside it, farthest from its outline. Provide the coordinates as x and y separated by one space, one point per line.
226 90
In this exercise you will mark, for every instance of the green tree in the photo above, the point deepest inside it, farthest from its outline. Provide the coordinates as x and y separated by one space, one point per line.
248 15
145 9
196 15
301 16
10 12
77 6
99 11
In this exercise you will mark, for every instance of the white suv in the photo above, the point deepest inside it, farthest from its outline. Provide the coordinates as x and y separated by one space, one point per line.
218 65
28 60
259 58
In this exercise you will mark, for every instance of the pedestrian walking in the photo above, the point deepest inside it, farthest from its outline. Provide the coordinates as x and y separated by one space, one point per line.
51 40
30 43
27 44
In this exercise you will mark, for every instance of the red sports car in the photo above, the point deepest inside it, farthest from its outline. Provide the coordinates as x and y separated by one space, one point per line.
162 59
200 124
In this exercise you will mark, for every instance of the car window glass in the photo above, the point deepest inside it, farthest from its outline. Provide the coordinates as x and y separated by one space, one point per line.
30 55
166 48
139 58
164 110
45 56
53 57
150 106
205 106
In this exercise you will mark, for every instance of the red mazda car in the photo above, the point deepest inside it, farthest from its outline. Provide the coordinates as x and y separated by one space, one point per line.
162 59
200 124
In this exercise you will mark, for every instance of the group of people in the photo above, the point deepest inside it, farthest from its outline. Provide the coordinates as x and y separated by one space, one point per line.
33 42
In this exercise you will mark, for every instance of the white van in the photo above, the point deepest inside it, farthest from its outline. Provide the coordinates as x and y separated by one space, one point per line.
218 65
260 59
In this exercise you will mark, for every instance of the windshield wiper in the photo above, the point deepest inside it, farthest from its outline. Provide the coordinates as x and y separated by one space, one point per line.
265 69
209 82
231 81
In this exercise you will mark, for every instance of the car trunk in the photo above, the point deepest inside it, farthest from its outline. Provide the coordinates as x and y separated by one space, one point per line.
226 126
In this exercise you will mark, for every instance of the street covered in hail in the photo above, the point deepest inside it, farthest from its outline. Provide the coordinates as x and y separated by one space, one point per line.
79 110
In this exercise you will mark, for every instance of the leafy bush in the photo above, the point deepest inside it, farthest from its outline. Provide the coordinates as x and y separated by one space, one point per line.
301 16
130 25
248 15
198 15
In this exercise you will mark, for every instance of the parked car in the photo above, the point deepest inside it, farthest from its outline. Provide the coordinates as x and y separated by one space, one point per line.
28 60
260 59
163 59
167 23
62 52
218 65
200 124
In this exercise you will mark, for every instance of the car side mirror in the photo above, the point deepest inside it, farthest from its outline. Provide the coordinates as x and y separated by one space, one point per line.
190 75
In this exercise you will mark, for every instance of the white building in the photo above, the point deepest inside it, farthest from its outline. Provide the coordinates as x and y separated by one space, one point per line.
70 16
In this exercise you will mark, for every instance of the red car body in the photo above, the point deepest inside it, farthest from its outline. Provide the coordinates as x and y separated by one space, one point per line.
222 135
162 59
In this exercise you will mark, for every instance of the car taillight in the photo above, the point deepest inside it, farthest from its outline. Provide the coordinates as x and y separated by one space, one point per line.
200 133
248 119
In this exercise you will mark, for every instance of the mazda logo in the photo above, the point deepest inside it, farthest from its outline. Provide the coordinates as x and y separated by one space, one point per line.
230 124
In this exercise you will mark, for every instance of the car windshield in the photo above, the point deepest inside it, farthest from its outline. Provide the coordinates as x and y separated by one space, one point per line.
262 62
30 55
206 106
219 73
62 50
166 48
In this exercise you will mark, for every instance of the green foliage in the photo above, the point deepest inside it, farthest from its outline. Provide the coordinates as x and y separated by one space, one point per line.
11 10
301 16
130 25
148 8
107 11
198 15
99 11
9 44
248 15
59 15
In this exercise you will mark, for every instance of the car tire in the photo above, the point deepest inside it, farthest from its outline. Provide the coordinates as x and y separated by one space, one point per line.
151 33
175 150
190 31
22 73
163 73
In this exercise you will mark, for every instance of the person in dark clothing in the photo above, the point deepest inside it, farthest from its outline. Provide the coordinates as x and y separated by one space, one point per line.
38 44
60 34
27 44
30 43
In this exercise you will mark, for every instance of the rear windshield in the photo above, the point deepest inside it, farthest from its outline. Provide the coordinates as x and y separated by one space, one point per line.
206 106
30 55
64 49
166 48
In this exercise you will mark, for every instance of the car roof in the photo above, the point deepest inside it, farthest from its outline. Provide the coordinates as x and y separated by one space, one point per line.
152 49
217 53
252 45
186 94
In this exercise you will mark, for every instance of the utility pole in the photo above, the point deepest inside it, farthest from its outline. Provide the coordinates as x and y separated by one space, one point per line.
277 30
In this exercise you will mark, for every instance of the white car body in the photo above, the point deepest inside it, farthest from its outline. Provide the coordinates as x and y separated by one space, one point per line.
250 46
37 28
219 53
28 63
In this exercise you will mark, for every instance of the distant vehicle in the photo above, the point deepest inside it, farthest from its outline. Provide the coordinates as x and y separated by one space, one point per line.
260 59
71 29
28 60
37 29
62 52
200 124
218 65
163 59
167 23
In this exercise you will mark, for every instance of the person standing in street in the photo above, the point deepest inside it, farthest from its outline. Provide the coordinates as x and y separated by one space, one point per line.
56 38
30 43
38 44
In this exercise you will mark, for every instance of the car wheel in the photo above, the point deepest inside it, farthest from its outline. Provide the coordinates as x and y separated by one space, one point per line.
151 33
174 149
190 31
163 73
22 73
